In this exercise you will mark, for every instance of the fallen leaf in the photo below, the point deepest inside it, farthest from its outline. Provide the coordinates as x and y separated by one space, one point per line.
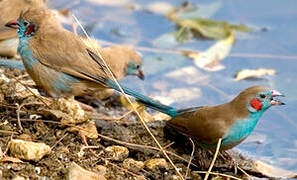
210 59
253 73
202 27
273 172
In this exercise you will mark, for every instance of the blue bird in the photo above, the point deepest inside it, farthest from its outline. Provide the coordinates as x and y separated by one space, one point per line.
233 121
61 63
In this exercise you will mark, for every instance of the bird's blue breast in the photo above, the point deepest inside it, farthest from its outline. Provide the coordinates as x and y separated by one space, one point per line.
241 129
26 53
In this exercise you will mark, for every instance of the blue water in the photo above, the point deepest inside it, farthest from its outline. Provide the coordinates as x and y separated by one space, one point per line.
275 137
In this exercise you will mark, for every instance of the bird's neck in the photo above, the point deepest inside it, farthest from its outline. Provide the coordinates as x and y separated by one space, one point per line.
26 53
241 129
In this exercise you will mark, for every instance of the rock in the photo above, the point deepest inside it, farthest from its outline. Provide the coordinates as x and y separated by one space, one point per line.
101 169
28 150
155 163
75 172
133 165
117 153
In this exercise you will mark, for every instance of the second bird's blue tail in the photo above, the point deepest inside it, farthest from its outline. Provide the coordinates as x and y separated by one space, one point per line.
145 100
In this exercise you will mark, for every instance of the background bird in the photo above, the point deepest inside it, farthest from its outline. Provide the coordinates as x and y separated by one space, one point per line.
60 62
11 9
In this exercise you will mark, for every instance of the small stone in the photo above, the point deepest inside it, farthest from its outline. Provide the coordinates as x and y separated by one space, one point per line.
101 169
28 150
75 172
37 170
133 165
117 153
154 163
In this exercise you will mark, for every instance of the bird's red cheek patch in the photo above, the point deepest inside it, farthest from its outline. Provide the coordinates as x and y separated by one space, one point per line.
256 104
29 29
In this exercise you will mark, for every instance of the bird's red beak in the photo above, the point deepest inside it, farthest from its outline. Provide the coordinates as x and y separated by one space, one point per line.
13 24
273 101
140 74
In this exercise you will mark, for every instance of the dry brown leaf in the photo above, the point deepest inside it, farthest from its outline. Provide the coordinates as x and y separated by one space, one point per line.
210 59
253 73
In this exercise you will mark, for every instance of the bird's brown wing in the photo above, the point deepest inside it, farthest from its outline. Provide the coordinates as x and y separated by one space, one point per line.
65 52
206 124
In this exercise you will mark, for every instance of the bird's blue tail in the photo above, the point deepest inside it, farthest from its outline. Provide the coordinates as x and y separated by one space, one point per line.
14 64
145 100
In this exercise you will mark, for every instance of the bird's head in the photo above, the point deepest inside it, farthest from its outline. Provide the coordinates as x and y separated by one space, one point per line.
128 57
31 20
134 68
259 98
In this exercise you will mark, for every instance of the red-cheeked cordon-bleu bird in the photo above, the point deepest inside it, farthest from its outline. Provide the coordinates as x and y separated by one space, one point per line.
60 62
232 122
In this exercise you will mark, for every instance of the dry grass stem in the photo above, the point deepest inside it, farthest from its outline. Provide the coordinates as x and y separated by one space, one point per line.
214 159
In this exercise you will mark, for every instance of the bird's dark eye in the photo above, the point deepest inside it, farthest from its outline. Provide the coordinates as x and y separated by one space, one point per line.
262 96
26 23
137 66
